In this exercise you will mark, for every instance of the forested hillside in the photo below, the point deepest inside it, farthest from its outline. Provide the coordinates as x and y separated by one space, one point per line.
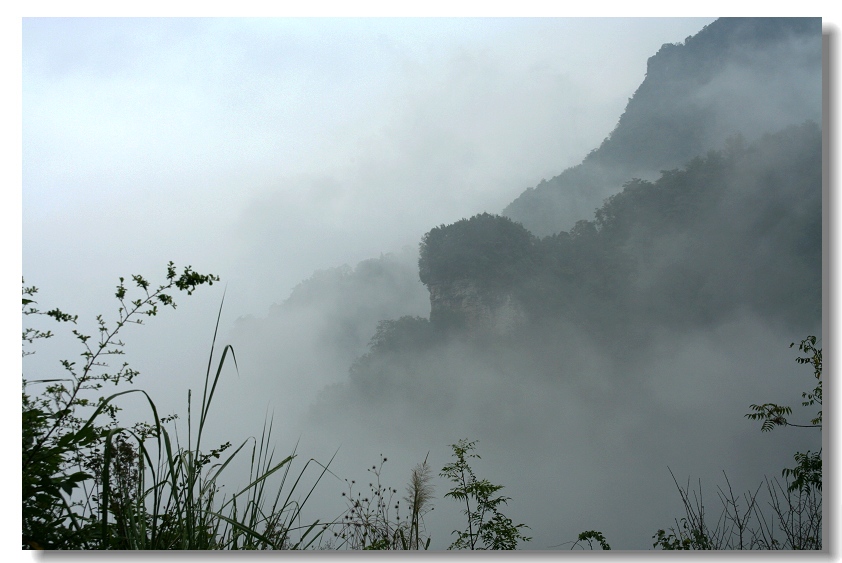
649 328
735 232
734 225
651 286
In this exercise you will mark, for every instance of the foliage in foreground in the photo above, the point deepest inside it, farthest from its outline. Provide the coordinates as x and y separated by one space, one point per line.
89 483
487 527
374 522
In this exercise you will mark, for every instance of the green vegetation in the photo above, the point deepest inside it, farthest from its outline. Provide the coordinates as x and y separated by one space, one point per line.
89 483
493 250
591 536
373 521
487 527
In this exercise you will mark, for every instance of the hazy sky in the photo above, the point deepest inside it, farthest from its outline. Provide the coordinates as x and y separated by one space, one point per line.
264 149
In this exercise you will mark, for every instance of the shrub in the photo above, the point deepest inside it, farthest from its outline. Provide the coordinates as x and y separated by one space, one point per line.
487 527
88 483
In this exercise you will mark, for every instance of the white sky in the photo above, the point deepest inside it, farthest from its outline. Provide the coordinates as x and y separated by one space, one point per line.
264 149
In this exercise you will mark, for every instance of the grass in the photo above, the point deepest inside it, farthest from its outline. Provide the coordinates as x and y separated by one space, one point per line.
180 508
89 483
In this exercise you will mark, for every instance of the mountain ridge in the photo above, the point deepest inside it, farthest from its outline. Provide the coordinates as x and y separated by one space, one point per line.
737 75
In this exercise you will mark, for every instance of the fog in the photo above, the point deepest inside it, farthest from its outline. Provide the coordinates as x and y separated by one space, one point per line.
272 148
302 161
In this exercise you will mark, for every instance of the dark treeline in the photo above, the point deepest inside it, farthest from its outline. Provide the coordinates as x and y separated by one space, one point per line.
737 228
735 232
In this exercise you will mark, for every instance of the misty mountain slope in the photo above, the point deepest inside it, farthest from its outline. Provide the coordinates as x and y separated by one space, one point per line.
736 233
643 331
332 317
648 332
311 338
758 247
737 75
738 228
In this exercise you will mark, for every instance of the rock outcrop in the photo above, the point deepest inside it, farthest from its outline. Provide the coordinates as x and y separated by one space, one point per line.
480 311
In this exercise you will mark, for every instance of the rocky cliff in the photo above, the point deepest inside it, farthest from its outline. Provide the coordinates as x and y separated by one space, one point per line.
745 76
480 311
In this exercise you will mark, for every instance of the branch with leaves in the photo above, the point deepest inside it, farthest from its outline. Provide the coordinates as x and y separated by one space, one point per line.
807 474
57 440
485 522
774 415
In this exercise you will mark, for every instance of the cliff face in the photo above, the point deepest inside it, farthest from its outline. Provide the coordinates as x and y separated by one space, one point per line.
470 268
738 75
480 311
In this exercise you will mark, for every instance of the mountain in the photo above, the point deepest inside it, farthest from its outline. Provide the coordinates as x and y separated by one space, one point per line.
643 336
615 246
737 75
735 233
614 322
310 339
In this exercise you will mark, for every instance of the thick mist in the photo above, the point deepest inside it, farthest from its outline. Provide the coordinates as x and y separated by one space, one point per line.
303 161
265 150
591 447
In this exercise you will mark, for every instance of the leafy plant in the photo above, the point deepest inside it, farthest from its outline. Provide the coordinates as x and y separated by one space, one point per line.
487 527
89 483
56 437
683 537
807 474
592 536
